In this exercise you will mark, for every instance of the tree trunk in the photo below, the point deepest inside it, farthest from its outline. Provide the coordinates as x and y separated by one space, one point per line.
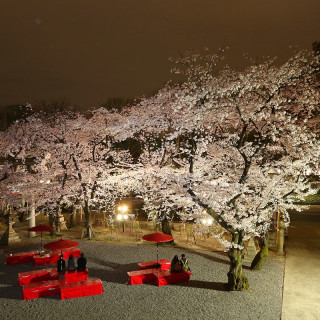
262 255
73 216
165 226
51 223
32 219
280 243
237 280
57 219
87 216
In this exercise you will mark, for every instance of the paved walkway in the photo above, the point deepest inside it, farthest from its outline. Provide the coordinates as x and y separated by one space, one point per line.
301 296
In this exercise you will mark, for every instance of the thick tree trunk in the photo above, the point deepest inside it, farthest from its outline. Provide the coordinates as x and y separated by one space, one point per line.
262 255
73 216
280 243
237 280
51 223
87 216
57 220
32 219
165 226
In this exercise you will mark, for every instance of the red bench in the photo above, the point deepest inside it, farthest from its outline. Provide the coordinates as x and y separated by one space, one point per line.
164 263
21 257
53 257
74 276
37 276
166 277
51 274
80 289
41 289
141 276
157 275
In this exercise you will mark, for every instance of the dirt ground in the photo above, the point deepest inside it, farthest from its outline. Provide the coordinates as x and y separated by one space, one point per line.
185 235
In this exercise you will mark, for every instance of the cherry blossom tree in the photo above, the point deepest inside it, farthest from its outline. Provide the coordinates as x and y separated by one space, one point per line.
217 140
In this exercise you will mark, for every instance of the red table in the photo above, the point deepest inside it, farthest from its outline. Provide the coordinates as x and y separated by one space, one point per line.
21 257
41 289
53 257
37 276
80 289
165 264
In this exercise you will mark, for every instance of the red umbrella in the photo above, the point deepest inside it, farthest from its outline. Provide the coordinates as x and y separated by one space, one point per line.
41 228
61 244
157 237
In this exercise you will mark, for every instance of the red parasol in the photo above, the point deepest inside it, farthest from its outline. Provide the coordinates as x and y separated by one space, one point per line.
41 228
157 237
61 244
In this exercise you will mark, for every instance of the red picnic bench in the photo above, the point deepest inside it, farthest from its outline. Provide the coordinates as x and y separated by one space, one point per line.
53 257
41 289
51 274
80 289
164 263
66 290
21 257
157 275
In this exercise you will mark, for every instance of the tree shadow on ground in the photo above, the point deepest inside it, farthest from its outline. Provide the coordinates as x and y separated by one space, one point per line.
217 286
11 292
213 258
115 272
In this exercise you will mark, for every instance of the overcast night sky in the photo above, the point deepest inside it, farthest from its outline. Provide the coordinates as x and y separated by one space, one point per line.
88 51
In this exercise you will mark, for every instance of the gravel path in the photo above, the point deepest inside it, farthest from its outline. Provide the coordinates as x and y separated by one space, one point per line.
203 297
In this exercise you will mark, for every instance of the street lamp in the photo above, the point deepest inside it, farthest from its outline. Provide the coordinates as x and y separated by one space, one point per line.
122 216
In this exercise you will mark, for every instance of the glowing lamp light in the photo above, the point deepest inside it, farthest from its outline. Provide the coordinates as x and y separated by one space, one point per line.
207 222
123 208
41 181
122 216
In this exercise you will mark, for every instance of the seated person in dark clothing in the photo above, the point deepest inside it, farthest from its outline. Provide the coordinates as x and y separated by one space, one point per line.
175 264
61 265
82 262
71 264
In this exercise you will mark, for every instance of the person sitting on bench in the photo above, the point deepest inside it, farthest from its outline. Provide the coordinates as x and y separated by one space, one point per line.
82 262
71 265
175 264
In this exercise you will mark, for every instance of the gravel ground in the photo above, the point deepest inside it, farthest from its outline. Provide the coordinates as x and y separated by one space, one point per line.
204 297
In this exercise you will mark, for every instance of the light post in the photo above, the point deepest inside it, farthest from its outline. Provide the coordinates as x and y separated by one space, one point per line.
122 216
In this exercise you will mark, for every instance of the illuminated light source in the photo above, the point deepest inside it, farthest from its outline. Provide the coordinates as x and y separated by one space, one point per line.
41 181
209 222
122 216
48 181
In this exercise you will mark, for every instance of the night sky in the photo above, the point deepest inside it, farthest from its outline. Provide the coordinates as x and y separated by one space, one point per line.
87 51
